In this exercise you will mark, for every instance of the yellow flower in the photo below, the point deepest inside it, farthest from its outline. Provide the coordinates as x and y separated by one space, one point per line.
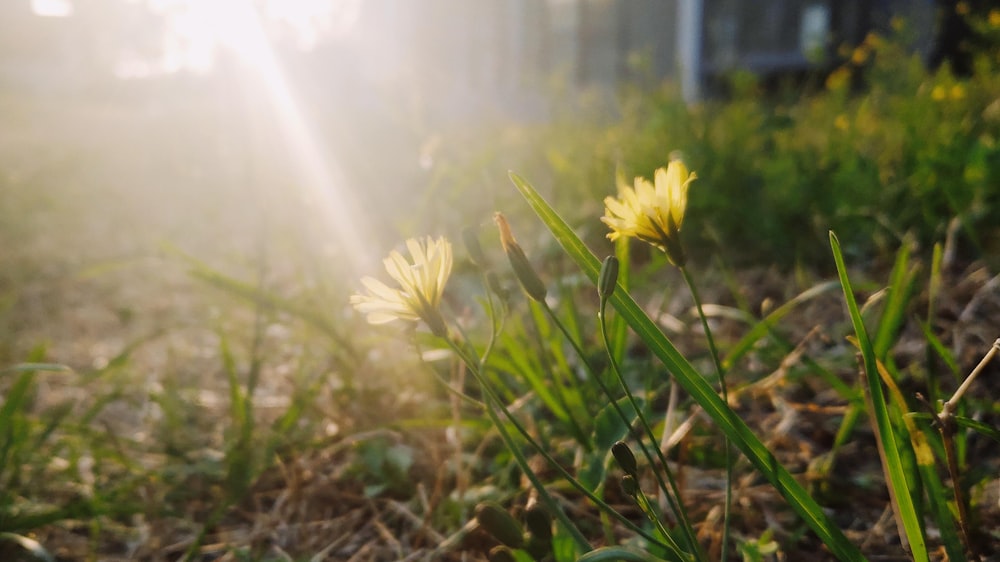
860 55
938 93
841 122
994 18
957 92
652 212
874 40
421 286
838 79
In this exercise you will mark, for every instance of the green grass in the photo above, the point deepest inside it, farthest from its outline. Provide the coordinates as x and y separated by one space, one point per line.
869 151
170 388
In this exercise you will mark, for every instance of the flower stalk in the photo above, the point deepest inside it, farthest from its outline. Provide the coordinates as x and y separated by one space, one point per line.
654 213
672 493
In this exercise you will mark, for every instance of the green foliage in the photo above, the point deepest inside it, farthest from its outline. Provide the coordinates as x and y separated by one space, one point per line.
758 550
44 449
879 148
384 467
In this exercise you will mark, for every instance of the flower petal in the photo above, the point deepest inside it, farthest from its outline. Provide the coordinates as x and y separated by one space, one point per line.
421 285
651 211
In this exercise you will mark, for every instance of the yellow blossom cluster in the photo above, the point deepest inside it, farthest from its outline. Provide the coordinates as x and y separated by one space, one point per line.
942 93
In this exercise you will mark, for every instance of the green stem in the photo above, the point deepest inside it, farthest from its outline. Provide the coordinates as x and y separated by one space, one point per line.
557 384
611 398
522 463
609 533
493 400
625 419
676 506
727 510
496 321
647 507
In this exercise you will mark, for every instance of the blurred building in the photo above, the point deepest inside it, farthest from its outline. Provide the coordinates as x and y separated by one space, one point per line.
501 55
35 52
698 41
459 58
66 51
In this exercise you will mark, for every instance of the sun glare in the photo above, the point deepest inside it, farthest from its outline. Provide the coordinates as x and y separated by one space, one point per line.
319 175
52 8
198 31
240 27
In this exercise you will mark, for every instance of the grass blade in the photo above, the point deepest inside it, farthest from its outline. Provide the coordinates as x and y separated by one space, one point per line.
618 554
514 359
937 347
693 382
968 423
617 327
899 491
900 289
767 324
261 297
33 367
13 427
933 288
924 457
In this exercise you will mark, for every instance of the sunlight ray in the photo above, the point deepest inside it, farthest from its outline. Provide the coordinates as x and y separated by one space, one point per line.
322 179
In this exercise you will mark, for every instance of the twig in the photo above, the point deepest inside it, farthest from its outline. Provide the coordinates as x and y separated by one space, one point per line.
945 421
949 405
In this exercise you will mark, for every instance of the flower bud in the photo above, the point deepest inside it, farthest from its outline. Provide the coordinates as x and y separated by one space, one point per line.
539 522
501 554
623 455
526 275
608 280
539 549
500 524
